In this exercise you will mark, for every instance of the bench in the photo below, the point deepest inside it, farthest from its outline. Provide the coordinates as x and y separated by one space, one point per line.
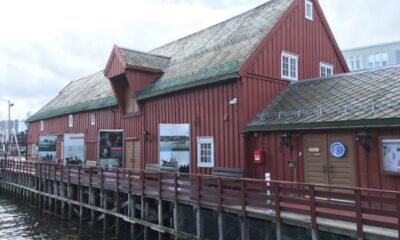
228 172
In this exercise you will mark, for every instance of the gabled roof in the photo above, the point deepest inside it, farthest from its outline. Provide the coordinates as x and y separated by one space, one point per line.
216 53
359 99
88 93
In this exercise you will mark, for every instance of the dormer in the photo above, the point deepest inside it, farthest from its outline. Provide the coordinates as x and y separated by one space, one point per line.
129 71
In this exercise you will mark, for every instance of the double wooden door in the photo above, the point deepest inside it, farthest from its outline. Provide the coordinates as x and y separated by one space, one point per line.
320 167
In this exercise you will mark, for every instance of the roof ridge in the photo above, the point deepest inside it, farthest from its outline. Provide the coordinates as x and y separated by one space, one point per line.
344 74
143 52
214 25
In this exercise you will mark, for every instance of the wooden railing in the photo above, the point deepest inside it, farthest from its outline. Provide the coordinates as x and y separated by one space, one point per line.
355 205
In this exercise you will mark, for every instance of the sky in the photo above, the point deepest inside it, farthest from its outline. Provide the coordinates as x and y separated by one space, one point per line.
45 44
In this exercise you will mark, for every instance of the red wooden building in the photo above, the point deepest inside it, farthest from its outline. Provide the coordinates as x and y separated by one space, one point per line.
185 105
341 130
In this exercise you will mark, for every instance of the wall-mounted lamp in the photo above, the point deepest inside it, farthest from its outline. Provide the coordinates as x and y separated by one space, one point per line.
286 139
364 139
234 101
146 135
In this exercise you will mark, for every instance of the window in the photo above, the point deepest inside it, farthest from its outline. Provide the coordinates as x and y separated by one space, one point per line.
41 125
354 63
205 152
131 105
398 57
325 70
309 9
92 119
70 120
289 66
378 60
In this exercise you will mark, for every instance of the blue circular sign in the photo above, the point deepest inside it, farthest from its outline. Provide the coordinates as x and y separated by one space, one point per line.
338 149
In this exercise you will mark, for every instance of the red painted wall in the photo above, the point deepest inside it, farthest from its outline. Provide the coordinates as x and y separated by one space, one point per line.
105 119
367 165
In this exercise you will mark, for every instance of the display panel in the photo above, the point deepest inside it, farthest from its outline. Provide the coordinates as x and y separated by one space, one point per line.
111 148
74 148
174 145
47 151
390 154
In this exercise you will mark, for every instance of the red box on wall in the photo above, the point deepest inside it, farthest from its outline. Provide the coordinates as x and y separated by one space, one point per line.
259 157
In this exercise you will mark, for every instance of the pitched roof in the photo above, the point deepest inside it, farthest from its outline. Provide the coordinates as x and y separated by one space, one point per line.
146 60
216 53
359 99
91 92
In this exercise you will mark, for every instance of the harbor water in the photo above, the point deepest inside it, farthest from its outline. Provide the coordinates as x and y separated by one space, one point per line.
20 221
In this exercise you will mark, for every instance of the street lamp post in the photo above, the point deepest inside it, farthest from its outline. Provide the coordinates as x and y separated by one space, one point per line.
8 138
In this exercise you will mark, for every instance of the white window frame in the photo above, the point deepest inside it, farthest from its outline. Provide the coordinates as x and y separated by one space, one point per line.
92 119
70 120
309 3
41 125
378 58
352 62
326 66
290 56
205 140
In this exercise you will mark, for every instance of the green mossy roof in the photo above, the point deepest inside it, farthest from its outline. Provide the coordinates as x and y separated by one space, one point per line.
359 99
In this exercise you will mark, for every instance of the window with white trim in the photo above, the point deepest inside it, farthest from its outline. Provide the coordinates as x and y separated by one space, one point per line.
355 63
205 152
325 69
289 66
309 8
92 119
378 60
70 120
41 125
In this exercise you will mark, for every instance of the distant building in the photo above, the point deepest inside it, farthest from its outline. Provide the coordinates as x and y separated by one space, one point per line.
373 56
17 125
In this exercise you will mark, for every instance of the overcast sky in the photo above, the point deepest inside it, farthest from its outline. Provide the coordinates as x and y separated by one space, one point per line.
45 44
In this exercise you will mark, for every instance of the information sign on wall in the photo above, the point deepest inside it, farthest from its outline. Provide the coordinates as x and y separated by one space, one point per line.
390 151
111 148
174 145
74 148
47 149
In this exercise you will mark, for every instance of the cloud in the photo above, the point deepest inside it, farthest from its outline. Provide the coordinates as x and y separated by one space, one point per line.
46 44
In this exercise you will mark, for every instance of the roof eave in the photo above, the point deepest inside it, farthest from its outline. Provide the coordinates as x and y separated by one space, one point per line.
364 123
188 86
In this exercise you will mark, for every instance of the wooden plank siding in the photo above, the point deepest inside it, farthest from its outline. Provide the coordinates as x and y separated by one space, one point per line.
367 165
208 112
106 119
207 109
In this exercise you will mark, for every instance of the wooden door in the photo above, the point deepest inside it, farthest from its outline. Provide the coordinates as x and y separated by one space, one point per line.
341 170
132 154
315 159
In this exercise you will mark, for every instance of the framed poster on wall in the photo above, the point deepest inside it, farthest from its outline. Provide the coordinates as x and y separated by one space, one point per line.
390 155
74 148
111 148
47 150
174 147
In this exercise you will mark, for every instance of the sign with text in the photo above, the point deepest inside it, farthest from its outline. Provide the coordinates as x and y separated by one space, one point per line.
47 151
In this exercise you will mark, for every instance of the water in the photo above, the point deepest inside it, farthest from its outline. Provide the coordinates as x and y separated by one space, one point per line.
19 221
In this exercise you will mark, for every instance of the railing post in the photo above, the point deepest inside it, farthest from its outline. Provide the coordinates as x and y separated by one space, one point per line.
398 215
359 218
277 211
313 213
198 190
245 234
159 185
219 195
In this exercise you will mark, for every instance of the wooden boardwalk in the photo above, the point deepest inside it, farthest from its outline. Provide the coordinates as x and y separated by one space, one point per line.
361 212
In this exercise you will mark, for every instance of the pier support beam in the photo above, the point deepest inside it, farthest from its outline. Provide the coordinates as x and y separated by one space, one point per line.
220 226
